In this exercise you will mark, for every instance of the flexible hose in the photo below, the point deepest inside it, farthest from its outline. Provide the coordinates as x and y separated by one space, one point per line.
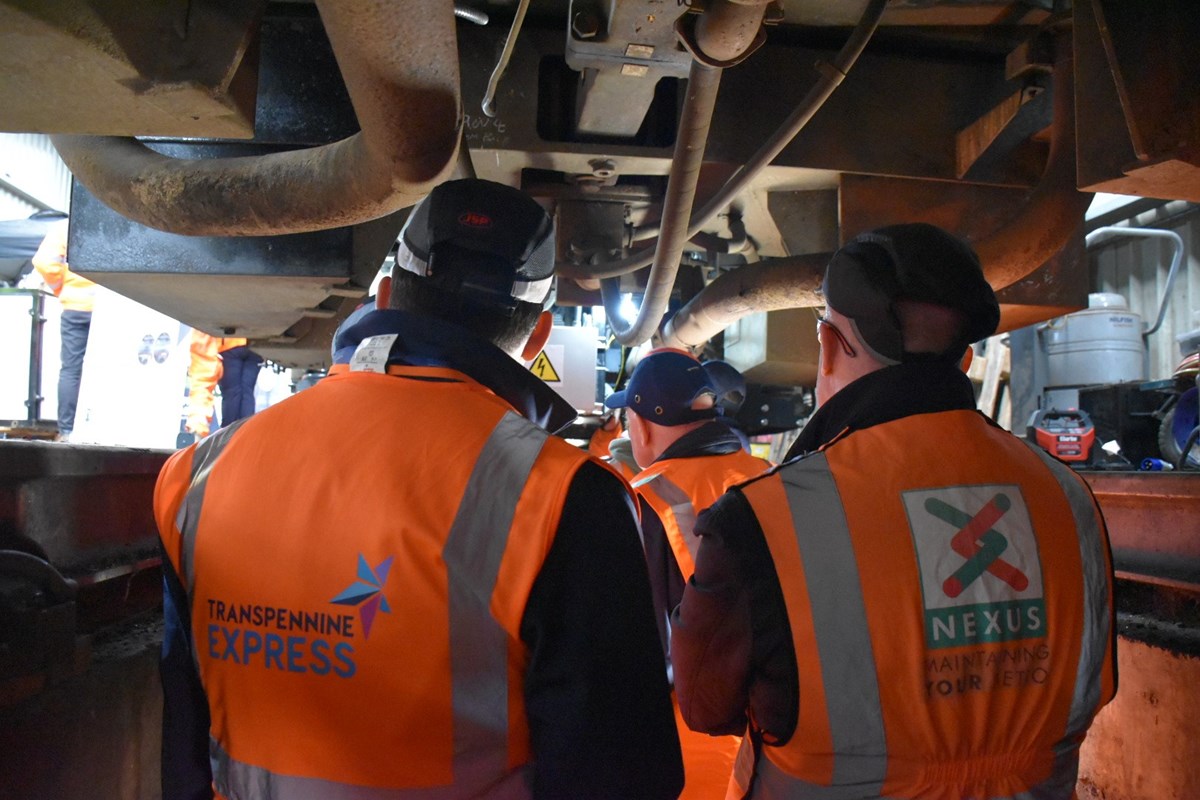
470 15
695 120
831 77
489 97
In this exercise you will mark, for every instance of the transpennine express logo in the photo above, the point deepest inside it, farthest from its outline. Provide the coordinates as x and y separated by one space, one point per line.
981 574
367 592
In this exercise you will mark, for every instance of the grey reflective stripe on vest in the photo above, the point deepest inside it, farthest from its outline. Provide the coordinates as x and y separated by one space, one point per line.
839 620
1096 633
473 551
1094 646
187 521
245 782
772 783
681 504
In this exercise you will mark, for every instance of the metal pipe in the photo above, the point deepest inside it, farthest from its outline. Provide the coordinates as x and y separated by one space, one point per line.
694 122
831 77
769 285
470 14
727 28
1176 259
400 64
1055 209
489 96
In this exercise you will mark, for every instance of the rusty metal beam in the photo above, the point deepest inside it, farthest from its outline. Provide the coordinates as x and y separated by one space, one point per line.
974 212
1139 98
1153 522
126 67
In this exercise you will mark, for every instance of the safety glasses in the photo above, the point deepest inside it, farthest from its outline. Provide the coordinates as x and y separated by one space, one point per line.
846 347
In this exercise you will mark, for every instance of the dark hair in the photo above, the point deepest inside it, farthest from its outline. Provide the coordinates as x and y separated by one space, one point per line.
417 295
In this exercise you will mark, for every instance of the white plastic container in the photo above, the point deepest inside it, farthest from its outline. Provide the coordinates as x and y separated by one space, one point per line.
1098 346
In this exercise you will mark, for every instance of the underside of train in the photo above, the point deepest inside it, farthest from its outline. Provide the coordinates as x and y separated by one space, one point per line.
703 157
245 167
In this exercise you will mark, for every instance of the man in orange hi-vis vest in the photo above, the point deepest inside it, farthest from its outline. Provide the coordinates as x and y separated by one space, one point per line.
77 296
398 583
689 457
916 604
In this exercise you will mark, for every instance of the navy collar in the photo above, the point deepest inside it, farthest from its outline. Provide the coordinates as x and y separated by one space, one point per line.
711 439
887 394
430 342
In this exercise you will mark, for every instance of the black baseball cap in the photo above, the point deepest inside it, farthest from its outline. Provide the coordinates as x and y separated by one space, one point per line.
489 242
913 261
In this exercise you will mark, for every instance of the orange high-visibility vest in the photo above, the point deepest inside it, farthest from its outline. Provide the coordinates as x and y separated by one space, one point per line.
949 593
680 488
358 560
75 292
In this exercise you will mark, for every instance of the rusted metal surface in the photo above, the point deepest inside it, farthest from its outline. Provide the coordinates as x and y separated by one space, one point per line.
974 212
1141 101
1153 522
1142 745
728 29
400 65
95 735
86 508
1053 212
78 555
766 286
126 67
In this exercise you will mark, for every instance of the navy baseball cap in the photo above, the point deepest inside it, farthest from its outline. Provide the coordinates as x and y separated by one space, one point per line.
729 385
663 387
914 261
489 242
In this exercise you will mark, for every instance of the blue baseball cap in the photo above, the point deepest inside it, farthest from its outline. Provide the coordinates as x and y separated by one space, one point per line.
729 384
663 387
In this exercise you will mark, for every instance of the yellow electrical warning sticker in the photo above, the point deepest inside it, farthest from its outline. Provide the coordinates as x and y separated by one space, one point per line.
544 368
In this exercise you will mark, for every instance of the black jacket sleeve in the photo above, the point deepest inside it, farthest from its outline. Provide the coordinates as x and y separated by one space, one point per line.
596 692
186 774
666 579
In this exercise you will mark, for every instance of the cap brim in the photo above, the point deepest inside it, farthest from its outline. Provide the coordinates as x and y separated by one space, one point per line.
616 400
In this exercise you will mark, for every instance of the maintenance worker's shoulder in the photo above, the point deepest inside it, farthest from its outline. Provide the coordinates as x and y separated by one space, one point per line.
170 489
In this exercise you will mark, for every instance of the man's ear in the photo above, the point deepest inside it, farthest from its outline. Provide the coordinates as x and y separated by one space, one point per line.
642 433
537 339
383 292
830 349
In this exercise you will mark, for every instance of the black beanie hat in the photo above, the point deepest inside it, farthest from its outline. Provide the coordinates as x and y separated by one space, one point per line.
914 261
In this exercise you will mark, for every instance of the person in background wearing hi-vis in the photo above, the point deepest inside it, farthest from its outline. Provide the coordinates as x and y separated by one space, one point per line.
77 295
239 373
688 458
916 604
398 583
227 363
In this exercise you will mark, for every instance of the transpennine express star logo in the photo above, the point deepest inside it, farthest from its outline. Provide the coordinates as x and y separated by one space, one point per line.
367 592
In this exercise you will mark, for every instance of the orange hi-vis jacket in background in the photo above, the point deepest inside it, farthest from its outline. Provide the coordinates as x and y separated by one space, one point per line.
76 293
680 488
950 615
204 373
351 648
